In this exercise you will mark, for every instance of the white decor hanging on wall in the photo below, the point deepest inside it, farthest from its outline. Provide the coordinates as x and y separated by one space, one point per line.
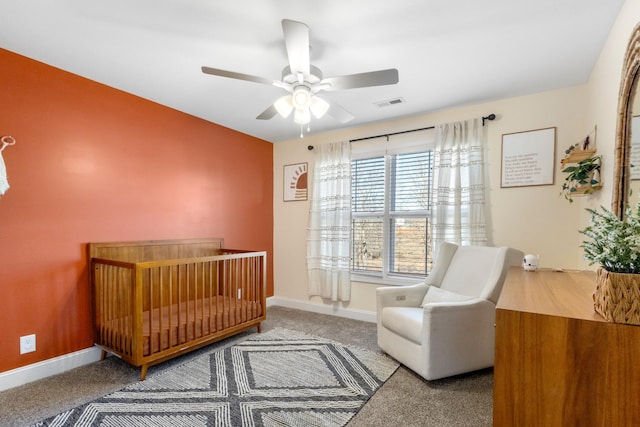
4 182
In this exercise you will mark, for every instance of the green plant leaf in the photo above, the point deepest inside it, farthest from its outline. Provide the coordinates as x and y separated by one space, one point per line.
612 242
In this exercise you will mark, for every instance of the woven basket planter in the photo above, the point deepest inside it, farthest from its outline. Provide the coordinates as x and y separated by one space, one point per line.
617 297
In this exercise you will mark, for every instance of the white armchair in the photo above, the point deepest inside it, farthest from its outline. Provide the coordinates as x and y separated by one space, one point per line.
446 325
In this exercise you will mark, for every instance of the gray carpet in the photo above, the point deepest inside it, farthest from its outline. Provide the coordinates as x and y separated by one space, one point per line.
405 399
280 377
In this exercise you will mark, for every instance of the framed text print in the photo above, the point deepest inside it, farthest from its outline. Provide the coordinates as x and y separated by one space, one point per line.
295 182
528 158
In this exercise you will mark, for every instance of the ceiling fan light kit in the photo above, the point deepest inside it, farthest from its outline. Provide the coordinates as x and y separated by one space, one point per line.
319 107
301 98
302 117
284 106
304 81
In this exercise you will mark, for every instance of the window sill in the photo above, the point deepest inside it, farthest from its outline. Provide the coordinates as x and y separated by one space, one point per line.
389 281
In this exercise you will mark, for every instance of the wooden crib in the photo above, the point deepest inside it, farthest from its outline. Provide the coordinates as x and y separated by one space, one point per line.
154 300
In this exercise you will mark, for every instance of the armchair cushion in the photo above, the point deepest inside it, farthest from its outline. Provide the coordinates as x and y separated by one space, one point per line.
404 321
435 294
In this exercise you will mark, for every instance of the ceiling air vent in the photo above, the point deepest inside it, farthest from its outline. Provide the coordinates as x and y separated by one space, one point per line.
389 102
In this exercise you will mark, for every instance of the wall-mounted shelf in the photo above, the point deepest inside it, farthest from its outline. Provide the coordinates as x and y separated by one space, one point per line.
583 173
576 156
584 190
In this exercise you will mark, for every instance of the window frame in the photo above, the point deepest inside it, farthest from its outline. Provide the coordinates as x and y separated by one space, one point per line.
408 144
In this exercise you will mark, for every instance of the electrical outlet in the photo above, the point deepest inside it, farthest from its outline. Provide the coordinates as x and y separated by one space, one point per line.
401 298
27 343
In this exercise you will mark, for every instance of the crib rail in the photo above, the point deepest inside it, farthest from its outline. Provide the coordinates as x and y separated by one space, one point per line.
151 310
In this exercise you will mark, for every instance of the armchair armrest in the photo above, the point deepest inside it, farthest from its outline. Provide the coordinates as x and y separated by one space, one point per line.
401 296
460 312
459 336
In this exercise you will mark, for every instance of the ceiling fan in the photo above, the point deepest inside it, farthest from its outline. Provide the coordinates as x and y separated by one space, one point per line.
304 81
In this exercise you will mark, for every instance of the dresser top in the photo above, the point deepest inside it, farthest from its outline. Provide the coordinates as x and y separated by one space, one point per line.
564 294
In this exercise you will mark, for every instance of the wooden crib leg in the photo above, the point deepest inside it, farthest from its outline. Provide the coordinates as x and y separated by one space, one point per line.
103 354
259 328
143 372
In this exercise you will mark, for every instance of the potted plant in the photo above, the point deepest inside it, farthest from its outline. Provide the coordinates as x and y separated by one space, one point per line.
614 243
583 178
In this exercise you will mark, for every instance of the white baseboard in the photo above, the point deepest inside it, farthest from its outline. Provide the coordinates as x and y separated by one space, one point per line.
46 368
334 310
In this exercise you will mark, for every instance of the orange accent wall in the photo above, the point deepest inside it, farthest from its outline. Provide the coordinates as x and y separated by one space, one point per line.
93 163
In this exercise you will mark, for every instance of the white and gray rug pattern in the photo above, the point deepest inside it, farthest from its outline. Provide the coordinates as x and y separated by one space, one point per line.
278 378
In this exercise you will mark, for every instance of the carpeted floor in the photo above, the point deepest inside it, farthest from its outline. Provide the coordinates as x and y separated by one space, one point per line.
279 377
405 399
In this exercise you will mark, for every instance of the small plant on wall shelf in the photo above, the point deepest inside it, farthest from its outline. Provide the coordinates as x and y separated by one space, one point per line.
583 178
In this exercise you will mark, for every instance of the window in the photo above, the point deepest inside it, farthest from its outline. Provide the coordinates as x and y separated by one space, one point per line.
390 214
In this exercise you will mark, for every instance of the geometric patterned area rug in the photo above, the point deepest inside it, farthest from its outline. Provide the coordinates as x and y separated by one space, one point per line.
277 378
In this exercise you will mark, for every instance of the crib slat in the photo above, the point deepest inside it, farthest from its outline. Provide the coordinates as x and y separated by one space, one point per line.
187 299
212 313
160 309
179 301
137 339
171 305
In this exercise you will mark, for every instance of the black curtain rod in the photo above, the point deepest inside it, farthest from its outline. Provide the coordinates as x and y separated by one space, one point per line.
489 117
390 134
387 135
310 147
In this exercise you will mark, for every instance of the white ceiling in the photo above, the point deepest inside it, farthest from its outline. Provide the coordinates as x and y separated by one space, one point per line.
448 52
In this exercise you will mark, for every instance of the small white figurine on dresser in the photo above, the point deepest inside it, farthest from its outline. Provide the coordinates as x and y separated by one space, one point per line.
530 262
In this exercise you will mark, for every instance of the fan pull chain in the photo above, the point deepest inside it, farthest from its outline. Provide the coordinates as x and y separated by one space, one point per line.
302 129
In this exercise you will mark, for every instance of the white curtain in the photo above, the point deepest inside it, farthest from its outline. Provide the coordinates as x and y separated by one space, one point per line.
458 208
329 232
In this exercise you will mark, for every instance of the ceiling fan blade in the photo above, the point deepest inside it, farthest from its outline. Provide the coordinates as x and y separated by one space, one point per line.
268 113
239 76
339 113
296 39
353 81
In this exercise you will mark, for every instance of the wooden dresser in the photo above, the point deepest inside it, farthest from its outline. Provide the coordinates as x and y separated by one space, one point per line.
557 362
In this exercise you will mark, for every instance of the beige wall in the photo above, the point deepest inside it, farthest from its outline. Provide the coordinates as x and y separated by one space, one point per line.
614 50
532 219
603 93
